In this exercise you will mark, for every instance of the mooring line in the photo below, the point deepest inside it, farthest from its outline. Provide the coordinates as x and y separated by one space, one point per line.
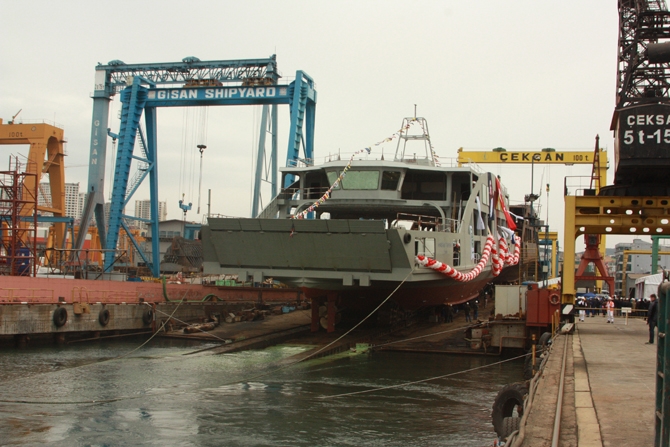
329 344
421 381
424 336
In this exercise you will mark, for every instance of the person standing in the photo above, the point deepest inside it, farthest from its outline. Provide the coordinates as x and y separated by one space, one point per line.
610 310
466 309
652 317
582 312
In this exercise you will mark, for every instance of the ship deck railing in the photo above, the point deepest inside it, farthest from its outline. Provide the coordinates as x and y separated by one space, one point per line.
302 193
374 156
426 223
578 185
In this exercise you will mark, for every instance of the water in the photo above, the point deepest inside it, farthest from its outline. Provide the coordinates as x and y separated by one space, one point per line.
159 396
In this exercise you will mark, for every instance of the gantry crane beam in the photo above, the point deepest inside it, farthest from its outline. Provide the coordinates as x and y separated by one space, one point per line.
190 69
527 157
541 157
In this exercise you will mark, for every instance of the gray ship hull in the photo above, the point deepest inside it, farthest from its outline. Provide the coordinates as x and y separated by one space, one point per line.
360 261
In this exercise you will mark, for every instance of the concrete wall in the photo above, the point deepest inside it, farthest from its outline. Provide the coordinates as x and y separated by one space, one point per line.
26 319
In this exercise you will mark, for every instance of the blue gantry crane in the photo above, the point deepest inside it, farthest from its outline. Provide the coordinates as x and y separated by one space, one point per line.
191 82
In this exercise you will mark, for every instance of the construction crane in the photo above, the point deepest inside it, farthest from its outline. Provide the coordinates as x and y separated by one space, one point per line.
641 119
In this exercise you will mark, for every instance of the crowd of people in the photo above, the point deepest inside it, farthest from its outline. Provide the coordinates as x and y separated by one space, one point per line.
590 306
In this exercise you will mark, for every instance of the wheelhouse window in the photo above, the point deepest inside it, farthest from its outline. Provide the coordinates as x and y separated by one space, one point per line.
356 179
390 180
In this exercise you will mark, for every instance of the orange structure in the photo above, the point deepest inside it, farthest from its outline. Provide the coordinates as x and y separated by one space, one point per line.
45 157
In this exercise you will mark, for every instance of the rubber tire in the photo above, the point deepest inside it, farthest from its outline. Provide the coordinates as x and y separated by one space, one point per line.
60 316
503 406
103 317
148 316
407 238
510 425
544 339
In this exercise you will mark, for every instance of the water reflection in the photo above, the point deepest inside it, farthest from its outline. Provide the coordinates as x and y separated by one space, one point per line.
167 398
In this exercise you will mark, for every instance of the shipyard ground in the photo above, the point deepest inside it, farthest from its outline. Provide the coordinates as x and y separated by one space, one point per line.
609 391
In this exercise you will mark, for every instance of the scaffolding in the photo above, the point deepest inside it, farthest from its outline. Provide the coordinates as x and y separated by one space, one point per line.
18 226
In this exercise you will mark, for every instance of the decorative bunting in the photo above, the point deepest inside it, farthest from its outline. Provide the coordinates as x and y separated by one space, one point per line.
500 257
336 183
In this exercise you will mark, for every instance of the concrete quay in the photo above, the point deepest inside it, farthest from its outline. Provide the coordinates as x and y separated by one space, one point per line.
609 389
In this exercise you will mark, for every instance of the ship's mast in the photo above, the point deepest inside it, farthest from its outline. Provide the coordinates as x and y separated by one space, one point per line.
415 130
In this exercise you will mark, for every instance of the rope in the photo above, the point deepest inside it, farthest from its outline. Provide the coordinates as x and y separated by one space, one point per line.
423 380
329 344
424 336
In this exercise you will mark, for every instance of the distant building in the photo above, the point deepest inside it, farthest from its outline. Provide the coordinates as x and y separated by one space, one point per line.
168 231
143 210
73 205
637 264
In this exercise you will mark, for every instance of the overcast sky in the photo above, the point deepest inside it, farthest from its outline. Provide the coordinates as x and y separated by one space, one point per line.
523 75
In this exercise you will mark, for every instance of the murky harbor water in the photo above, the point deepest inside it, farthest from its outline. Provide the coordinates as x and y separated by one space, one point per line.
69 396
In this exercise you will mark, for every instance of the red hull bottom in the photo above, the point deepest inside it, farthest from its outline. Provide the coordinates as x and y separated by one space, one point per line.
408 296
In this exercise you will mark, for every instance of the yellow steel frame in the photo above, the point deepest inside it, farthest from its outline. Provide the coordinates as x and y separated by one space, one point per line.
648 216
529 157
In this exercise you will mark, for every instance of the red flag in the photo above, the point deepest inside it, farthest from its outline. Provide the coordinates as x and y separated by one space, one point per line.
510 221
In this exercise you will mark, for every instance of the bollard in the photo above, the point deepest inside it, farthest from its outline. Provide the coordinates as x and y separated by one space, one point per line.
533 355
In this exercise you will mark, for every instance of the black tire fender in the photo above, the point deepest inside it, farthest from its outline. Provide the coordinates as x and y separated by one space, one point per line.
508 398
407 238
60 316
510 425
544 339
148 316
103 317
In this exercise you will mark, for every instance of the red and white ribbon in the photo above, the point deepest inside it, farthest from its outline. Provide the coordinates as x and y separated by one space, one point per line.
452 272
499 259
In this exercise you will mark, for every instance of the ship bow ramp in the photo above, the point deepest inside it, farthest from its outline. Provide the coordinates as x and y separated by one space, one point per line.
286 249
